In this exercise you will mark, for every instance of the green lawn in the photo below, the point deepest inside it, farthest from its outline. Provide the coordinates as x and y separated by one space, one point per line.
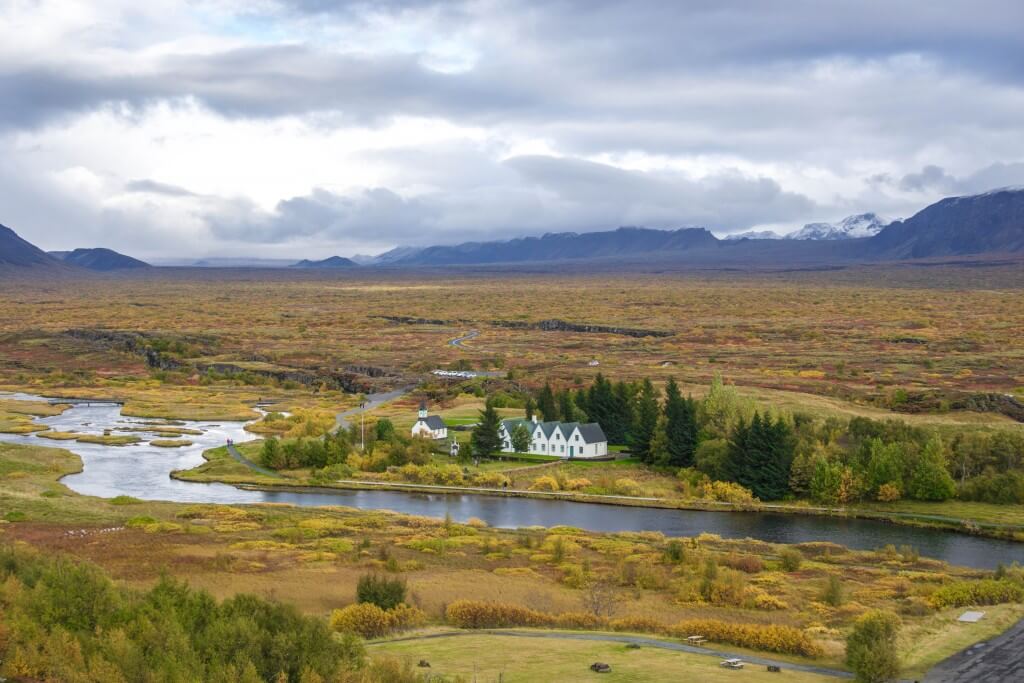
485 658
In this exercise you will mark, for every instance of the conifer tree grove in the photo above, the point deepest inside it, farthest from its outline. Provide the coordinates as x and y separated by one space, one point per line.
647 412
680 427
546 404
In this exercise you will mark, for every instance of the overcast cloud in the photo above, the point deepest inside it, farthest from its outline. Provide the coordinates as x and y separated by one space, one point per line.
304 128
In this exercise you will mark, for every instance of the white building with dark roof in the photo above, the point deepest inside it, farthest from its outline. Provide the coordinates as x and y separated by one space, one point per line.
562 439
429 426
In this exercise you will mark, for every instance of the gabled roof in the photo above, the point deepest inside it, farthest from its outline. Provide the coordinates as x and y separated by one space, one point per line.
592 433
434 422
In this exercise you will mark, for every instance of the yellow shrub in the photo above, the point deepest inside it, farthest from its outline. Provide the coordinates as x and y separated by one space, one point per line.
544 483
627 487
765 637
370 621
480 614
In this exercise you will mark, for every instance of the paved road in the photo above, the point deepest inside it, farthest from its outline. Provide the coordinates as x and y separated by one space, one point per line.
372 401
647 642
472 334
996 661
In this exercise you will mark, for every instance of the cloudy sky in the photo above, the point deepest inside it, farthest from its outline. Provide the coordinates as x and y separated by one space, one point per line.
288 128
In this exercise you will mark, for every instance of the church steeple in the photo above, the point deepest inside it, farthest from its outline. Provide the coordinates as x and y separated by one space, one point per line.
423 410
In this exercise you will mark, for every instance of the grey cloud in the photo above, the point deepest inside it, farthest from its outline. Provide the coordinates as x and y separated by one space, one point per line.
154 187
933 178
551 194
928 178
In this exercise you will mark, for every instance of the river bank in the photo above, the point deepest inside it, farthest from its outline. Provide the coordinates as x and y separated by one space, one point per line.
249 478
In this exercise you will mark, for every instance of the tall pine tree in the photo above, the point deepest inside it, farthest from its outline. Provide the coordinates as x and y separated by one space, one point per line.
680 426
621 419
760 456
546 405
486 439
647 413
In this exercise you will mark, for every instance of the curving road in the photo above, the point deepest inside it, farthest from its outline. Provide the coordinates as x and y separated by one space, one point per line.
472 334
371 402
637 640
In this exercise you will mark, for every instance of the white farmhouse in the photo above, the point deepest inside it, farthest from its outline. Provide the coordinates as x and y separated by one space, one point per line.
429 426
563 439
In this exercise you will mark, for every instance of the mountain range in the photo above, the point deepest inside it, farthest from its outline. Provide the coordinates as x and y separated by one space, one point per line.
991 222
99 259
331 262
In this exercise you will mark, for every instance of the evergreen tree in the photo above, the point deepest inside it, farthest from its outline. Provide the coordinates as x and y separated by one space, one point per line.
384 429
660 448
567 410
680 426
647 413
520 438
582 409
622 417
546 404
761 455
601 406
531 408
486 440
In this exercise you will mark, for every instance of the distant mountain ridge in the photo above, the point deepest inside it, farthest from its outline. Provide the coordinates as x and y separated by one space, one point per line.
561 246
330 262
99 259
754 235
851 227
989 222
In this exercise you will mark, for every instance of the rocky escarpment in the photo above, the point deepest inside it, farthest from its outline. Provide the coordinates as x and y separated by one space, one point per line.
186 353
551 325
554 325
980 402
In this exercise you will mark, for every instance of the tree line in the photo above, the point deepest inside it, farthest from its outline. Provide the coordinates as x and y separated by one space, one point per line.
831 460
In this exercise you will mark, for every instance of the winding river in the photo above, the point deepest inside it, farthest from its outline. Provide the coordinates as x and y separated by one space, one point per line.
142 470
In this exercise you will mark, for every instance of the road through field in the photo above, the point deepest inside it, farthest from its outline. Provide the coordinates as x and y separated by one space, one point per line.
472 334
637 640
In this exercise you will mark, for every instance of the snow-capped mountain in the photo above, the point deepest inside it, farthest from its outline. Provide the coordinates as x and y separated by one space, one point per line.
851 227
754 235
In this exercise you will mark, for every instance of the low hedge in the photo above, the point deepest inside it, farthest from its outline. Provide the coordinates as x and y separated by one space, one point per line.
477 614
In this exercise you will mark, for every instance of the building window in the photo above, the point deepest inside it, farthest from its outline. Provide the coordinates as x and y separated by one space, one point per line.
563 448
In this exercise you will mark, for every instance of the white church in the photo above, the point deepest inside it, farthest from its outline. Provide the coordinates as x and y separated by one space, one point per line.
562 439
430 426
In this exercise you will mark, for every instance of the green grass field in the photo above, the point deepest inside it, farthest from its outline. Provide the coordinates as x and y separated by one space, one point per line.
510 659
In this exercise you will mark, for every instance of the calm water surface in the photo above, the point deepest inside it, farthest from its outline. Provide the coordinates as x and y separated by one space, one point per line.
143 471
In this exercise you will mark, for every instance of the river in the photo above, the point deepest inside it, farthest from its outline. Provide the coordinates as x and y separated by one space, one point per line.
142 471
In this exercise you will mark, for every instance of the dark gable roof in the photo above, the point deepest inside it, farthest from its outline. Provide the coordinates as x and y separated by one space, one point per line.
434 422
592 433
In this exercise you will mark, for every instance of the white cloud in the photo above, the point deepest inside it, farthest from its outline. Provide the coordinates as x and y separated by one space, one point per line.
173 127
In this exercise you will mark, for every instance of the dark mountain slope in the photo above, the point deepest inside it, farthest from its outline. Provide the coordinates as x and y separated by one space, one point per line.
957 226
332 262
564 246
99 259
16 252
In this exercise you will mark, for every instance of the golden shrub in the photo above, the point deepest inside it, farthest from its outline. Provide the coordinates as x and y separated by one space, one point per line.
544 483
